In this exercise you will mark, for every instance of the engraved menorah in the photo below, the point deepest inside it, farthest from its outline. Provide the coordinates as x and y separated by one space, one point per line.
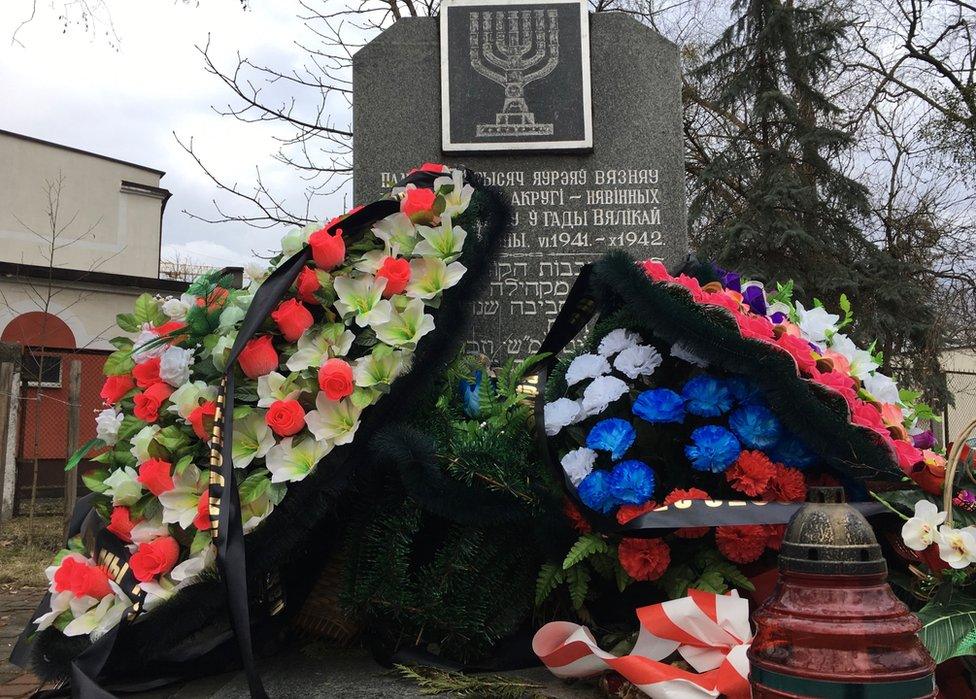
514 48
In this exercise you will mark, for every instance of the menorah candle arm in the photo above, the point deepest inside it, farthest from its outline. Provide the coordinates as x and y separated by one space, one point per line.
544 48
474 50
547 68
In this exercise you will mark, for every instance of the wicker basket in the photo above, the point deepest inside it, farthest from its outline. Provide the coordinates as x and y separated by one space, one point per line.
952 465
322 615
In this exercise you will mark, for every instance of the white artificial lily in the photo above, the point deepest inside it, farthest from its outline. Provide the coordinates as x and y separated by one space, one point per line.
174 366
256 272
273 387
816 323
192 567
180 502
255 512
60 603
99 619
578 464
157 591
431 276
443 242
458 199
141 440
147 530
378 368
123 486
187 398
586 366
252 439
957 547
295 239
221 350
861 361
107 424
333 422
398 232
617 341
922 529
363 298
406 328
291 460
371 261
319 343
560 413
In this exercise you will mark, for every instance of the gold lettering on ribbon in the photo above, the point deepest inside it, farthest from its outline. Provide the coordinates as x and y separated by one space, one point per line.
216 460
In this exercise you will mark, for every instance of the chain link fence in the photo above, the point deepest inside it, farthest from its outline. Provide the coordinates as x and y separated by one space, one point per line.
962 386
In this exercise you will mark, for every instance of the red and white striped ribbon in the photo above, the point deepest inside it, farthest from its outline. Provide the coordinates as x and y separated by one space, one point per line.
711 632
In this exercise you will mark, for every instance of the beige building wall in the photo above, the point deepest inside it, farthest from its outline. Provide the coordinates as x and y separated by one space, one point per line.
960 368
120 202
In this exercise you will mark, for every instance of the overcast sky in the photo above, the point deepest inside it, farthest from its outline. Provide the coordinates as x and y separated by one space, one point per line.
126 101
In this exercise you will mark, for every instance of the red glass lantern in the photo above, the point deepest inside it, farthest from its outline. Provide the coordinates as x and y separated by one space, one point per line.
833 627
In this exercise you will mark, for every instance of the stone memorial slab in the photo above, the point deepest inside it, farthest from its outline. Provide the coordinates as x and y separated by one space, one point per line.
568 208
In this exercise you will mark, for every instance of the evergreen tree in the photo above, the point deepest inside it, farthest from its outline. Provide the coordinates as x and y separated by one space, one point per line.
775 206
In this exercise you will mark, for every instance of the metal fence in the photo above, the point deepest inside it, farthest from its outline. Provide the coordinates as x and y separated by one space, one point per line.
962 386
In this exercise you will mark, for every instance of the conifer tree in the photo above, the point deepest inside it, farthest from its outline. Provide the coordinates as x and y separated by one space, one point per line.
774 203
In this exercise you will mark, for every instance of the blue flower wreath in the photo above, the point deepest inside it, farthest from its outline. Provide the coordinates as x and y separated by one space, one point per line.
594 491
632 482
613 435
713 449
659 405
755 426
790 451
706 396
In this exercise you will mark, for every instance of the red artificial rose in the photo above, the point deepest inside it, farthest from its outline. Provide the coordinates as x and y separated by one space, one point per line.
293 319
148 402
81 578
751 472
644 559
154 558
625 513
202 520
170 327
742 543
655 270
307 284
328 250
396 271
202 419
147 373
576 517
258 357
417 203
215 299
121 523
115 388
335 379
156 475
786 485
689 494
285 417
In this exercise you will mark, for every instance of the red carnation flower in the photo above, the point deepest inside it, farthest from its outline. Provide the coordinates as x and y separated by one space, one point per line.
147 373
293 319
625 513
154 558
115 388
776 533
202 419
655 270
751 472
156 475
148 402
396 271
576 518
285 417
786 485
121 523
644 559
742 543
328 249
307 284
689 494
258 357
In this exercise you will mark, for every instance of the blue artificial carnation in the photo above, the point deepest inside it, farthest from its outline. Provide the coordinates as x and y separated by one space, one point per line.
744 390
594 491
469 395
659 405
706 396
613 435
713 449
632 482
790 451
755 426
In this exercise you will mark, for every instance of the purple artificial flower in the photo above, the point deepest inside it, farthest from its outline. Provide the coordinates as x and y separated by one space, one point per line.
924 440
732 280
755 298
777 318
965 499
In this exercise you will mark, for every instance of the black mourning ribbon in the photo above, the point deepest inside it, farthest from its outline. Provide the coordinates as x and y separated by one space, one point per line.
579 309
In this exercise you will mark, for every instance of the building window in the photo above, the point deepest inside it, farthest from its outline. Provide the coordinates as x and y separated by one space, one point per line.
42 370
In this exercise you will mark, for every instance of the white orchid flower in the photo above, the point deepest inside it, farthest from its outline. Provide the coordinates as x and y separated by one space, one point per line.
363 298
180 502
60 603
431 276
107 424
252 439
318 344
406 328
291 460
957 547
97 620
333 422
443 242
194 566
922 529
124 486
398 232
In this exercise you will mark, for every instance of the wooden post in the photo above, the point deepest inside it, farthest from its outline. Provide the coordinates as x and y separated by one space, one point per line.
6 397
74 422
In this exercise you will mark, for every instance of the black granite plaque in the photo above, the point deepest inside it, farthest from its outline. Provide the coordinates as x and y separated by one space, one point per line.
569 208
515 75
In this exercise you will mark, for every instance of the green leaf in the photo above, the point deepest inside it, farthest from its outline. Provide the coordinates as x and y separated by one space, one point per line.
172 438
122 343
711 581
676 580
550 575
586 545
147 310
200 541
277 492
127 323
578 579
947 626
82 452
93 480
254 486
182 464
119 362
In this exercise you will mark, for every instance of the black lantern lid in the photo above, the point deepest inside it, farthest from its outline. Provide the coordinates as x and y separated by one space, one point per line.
829 537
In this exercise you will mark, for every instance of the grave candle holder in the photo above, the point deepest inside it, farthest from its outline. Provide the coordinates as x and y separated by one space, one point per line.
833 627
